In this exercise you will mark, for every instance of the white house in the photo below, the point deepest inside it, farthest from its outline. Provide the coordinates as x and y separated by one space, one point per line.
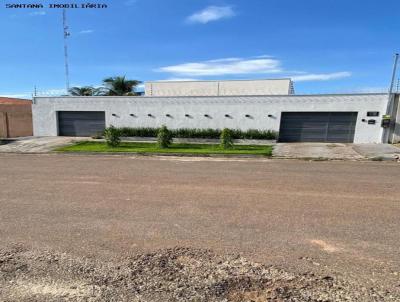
298 118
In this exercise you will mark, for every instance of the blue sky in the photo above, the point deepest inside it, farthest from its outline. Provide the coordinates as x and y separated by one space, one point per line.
326 46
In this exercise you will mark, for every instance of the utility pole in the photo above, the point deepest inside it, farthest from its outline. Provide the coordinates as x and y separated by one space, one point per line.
390 104
66 35
396 59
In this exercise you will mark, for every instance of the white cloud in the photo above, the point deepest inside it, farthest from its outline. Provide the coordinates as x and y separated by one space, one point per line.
244 66
86 31
263 57
211 13
227 66
321 76
38 13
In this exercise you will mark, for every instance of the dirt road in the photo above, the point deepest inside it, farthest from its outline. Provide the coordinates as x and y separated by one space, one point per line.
336 218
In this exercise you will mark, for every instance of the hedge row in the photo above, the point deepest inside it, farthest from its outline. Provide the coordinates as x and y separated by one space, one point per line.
199 133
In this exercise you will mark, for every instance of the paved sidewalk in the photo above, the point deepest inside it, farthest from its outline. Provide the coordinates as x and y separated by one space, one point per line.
38 144
378 151
316 151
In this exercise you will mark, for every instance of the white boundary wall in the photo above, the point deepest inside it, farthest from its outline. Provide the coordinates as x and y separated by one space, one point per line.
44 110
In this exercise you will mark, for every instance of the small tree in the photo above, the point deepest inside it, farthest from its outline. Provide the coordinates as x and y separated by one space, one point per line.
226 139
112 136
164 137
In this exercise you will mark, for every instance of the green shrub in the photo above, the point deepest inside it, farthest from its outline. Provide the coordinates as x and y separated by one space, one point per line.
112 136
226 139
199 133
139 132
164 137
196 133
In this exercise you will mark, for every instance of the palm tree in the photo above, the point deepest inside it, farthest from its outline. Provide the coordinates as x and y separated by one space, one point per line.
82 91
120 86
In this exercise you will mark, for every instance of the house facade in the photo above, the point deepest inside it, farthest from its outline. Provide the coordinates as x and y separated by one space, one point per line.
343 118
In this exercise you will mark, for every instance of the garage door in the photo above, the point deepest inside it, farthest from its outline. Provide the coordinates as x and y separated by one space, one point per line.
335 127
80 123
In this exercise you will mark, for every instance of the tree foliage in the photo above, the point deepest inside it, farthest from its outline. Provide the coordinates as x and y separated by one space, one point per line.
82 91
120 86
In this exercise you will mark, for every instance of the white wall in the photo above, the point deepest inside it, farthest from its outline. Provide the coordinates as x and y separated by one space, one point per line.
219 88
258 107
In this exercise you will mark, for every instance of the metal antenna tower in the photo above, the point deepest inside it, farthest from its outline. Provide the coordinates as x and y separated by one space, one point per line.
66 35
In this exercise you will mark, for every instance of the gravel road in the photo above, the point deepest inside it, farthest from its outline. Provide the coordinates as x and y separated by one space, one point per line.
178 274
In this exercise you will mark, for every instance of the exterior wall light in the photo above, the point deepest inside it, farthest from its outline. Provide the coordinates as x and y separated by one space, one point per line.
168 115
247 115
228 116
132 115
188 115
150 115
206 115
270 115
113 114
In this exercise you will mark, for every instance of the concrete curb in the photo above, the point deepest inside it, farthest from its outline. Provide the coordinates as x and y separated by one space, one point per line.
159 154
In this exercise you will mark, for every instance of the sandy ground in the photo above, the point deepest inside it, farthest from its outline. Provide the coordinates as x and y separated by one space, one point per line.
335 218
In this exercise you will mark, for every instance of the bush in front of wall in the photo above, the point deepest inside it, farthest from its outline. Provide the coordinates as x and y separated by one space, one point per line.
226 139
139 132
112 136
164 137
198 133
254 134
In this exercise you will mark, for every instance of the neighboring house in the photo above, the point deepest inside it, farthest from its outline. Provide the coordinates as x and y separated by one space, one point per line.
345 118
219 88
15 117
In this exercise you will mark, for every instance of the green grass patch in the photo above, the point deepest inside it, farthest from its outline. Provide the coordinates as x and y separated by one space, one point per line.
200 149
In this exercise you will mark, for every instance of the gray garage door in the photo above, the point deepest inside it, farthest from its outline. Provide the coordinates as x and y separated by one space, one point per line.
80 123
335 127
